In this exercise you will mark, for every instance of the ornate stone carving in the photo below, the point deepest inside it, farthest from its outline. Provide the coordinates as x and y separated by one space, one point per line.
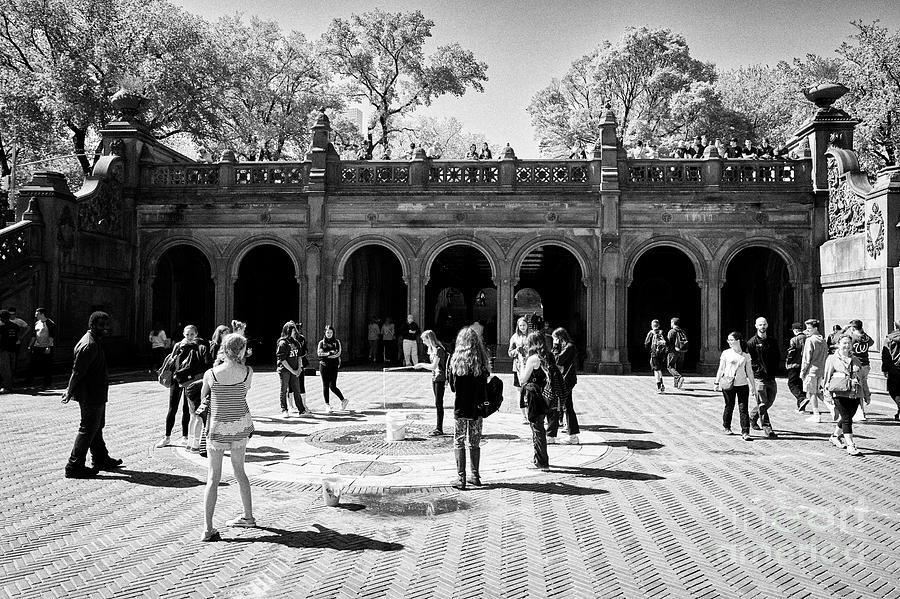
414 242
117 148
265 218
666 217
372 217
65 231
875 232
552 217
761 218
846 211
101 213
505 242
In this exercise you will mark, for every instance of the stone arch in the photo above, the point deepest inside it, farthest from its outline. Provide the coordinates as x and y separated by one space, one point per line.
179 289
244 247
345 252
576 250
435 250
156 251
727 254
694 254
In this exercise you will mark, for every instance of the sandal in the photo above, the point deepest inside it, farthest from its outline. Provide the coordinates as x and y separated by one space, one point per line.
210 535
242 522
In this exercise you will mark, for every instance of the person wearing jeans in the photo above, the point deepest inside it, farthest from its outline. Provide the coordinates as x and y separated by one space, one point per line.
677 342
792 362
287 358
842 380
735 379
533 381
329 352
565 354
438 367
467 372
764 357
861 345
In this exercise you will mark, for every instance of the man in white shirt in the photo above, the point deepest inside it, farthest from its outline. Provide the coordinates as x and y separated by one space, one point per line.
41 347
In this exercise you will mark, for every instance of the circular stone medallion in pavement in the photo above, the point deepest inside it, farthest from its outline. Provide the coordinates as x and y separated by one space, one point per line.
366 468
369 439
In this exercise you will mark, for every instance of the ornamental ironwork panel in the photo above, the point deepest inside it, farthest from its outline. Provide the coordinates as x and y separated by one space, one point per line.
12 247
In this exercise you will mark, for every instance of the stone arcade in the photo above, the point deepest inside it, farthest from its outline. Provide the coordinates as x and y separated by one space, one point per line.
601 246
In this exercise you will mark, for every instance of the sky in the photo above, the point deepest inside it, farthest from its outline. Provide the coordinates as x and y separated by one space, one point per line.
526 43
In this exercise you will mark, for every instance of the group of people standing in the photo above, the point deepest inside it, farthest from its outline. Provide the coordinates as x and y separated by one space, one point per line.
382 337
17 337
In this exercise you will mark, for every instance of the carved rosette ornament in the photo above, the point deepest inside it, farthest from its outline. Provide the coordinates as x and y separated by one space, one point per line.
875 232
846 211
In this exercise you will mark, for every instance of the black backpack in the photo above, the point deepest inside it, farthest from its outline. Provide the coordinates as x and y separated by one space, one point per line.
493 397
554 391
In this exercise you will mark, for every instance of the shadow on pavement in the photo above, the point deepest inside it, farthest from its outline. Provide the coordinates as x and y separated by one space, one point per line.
265 454
277 433
323 538
153 479
604 473
635 444
888 452
548 488
608 428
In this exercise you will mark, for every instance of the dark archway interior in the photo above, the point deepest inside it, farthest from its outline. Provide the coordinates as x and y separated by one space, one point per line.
183 291
664 286
757 283
555 274
372 287
266 295
461 269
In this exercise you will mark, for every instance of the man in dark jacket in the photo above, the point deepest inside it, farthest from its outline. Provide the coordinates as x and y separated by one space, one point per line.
89 386
764 357
890 365
793 361
677 341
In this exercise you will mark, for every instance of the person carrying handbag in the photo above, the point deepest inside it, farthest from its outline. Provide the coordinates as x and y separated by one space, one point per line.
735 379
842 383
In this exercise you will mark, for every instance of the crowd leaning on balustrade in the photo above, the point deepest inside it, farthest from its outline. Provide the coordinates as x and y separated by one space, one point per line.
700 147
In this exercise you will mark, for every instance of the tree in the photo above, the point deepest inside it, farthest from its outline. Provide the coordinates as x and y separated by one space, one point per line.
381 56
445 136
273 87
871 69
638 74
80 52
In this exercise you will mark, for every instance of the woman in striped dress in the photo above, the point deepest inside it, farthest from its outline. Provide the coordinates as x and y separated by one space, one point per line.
230 426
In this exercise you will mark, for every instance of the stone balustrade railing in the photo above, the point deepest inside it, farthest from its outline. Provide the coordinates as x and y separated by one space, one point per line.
19 242
354 175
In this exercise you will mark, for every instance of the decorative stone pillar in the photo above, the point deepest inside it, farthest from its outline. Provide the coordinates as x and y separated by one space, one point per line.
222 291
314 289
710 319
415 289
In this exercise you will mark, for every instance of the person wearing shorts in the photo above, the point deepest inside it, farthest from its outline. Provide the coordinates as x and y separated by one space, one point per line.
224 396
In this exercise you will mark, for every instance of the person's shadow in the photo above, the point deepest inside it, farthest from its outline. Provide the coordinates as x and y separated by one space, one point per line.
152 479
324 538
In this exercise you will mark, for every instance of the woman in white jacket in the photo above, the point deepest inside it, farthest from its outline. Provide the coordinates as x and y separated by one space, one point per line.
735 380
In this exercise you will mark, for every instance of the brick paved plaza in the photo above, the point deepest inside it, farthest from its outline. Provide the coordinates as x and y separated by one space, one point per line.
656 503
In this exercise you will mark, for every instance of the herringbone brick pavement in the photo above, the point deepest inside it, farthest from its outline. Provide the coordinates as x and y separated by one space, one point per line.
675 509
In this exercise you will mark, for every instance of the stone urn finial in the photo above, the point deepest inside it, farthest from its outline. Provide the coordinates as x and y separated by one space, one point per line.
507 153
129 103
322 121
824 95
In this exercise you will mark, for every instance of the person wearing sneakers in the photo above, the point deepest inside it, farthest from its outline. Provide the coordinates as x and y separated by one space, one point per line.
890 365
191 359
658 348
841 378
287 358
565 353
678 342
467 372
764 357
861 345
438 367
89 386
224 395
329 352
735 380
533 378
792 362
815 350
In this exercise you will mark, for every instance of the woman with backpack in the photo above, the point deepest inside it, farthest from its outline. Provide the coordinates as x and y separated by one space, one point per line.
842 382
287 358
438 367
565 354
468 371
534 377
658 348
191 359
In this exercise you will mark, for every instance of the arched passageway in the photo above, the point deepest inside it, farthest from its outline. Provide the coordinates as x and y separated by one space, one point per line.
757 283
183 291
554 274
266 295
460 290
664 286
372 287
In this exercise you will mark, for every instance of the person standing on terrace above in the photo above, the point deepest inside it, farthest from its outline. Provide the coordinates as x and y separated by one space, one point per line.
412 152
652 151
698 147
435 152
637 151
472 154
577 152
485 153
733 150
750 151
681 150
766 151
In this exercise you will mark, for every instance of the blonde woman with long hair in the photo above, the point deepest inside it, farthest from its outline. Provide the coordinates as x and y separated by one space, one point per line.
516 351
468 371
437 355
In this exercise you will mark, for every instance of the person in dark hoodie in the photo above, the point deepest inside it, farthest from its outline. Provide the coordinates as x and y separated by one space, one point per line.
764 356
890 365
861 344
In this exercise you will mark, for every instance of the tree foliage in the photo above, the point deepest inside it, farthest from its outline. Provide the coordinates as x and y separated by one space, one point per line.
381 56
